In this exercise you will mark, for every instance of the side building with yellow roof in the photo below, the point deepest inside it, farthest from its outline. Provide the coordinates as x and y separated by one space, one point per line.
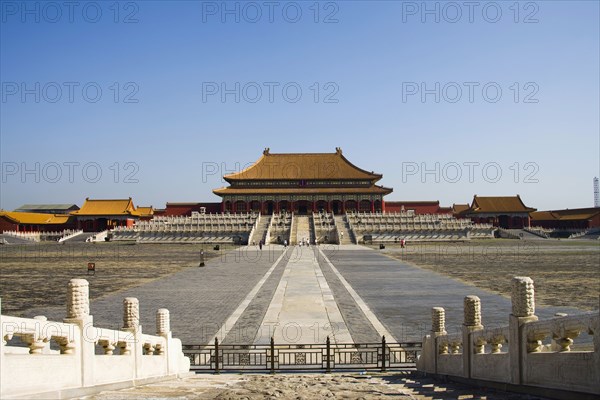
99 214
35 222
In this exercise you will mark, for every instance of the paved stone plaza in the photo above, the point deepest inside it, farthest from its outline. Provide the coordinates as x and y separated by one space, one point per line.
299 294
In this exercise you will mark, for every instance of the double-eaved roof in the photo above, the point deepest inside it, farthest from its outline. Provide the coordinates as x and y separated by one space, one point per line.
306 166
332 173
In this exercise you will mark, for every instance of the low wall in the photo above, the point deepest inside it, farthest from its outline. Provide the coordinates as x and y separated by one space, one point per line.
526 353
61 358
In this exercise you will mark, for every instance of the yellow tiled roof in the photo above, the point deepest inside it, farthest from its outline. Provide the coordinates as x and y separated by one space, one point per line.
496 204
543 216
301 191
459 208
575 214
290 166
145 211
35 218
106 207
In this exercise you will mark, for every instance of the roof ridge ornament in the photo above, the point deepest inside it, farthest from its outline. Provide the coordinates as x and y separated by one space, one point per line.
338 150
266 151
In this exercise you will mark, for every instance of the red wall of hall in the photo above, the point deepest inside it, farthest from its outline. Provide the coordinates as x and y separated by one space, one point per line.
419 207
186 209
7 225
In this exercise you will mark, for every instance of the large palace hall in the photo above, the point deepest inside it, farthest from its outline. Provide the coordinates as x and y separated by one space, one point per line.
303 183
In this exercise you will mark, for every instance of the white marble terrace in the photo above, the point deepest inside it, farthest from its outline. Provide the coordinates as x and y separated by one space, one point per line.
128 356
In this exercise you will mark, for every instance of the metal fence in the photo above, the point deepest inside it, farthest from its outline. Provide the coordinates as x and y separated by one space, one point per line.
295 357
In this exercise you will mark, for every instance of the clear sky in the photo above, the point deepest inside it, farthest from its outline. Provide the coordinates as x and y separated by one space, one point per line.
156 100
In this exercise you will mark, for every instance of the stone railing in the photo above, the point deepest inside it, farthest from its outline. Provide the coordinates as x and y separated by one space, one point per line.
32 236
254 226
268 234
98 237
516 356
75 358
68 234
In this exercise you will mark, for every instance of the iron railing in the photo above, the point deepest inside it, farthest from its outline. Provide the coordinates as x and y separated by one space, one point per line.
296 357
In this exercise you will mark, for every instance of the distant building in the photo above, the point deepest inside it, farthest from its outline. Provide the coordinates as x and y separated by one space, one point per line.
577 218
458 210
34 222
416 207
99 214
186 209
48 208
501 211
145 213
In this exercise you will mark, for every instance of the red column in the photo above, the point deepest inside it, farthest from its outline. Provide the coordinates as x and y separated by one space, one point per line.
372 206
328 205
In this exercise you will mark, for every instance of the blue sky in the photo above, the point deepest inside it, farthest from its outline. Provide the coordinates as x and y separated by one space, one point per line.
112 100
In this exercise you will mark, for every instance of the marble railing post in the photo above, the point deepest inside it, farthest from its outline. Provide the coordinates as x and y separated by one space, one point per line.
438 329
523 312
172 349
131 323
472 323
163 328
438 321
78 313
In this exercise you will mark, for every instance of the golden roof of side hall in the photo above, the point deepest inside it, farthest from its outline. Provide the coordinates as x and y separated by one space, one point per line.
460 208
575 214
107 207
290 166
498 204
302 191
30 218
144 211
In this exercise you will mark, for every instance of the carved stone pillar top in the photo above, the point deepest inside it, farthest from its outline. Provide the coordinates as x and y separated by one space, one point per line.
472 311
438 320
523 297
78 298
163 323
131 313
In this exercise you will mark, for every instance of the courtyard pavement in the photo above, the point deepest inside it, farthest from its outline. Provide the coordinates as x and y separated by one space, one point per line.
351 293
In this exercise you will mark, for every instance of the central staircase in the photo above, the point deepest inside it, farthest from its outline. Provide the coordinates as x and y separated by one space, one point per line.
302 229
346 236
260 233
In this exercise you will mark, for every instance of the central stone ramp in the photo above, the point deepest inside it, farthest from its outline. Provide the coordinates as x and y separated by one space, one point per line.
303 309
